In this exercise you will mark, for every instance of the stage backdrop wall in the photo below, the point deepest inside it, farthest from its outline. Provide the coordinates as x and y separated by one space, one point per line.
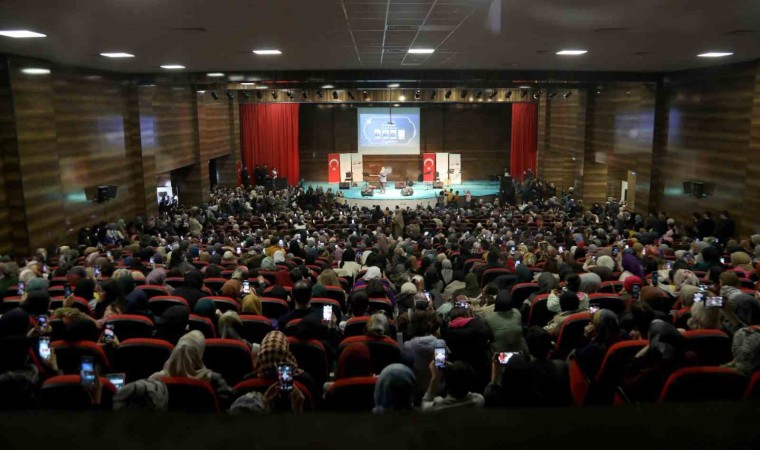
479 132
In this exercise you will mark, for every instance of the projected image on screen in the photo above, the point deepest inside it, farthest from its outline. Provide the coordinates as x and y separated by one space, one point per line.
381 133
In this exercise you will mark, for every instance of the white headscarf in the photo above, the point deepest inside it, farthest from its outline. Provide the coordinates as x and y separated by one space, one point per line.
372 273
279 257
186 359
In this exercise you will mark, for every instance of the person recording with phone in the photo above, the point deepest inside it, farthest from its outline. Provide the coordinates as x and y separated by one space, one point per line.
460 380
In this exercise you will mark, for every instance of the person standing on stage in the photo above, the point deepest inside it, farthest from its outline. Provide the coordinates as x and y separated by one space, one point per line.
383 179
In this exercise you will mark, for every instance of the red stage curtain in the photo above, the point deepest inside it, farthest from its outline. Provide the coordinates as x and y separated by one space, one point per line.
269 135
524 138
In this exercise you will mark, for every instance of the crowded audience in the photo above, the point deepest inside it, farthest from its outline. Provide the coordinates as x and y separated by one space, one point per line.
291 301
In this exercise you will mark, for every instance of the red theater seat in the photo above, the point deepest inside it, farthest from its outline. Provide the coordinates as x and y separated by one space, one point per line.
191 395
704 384
229 357
140 358
128 326
65 392
355 394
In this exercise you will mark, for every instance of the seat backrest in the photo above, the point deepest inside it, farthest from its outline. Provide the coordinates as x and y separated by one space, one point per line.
616 360
384 351
356 326
128 326
69 355
713 347
175 282
703 384
753 388
539 312
191 395
571 334
335 293
311 357
202 324
10 303
380 304
613 302
320 302
521 292
610 287
152 290
356 394
160 303
255 327
223 304
215 284
229 357
141 357
491 274
274 308
65 392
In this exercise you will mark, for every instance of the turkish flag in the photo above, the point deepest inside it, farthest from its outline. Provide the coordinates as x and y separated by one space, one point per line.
333 168
428 167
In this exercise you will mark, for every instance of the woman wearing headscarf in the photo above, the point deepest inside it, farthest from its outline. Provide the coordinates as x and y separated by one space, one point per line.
590 282
268 264
172 324
471 288
652 366
137 303
85 289
37 303
157 277
348 265
275 351
206 308
231 327
251 304
447 272
186 361
546 284
631 266
604 266
505 324
746 351
602 332
395 389
742 264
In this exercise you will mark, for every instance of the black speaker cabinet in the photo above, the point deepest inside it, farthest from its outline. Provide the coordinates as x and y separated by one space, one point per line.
400 185
344 185
437 184
367 192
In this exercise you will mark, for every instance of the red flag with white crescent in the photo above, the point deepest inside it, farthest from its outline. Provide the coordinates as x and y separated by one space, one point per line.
333 168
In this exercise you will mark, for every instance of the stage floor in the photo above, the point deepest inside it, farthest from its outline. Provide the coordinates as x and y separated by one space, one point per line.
424 195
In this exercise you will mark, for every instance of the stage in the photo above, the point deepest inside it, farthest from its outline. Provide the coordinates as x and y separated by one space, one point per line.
424 195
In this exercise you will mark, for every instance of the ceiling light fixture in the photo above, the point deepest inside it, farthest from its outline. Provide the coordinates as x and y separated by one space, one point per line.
365 95
215 95
553 94
201 92
402 98
335 95
417 94
714 54
259 95
305 95
268 52
524 94
508 94
432 95
421 51
350 95
290 95
567 94
463 94
448 94
572 52
394 85
172 67
245 95
328 86
274 95
493 94
478 94
320 95
215 74
21 34
35 71
230 94
261 87
117 55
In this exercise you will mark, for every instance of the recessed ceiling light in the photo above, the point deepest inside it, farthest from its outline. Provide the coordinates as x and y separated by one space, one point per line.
117 55
572 52
328 86
21 34
714 54
421 51
267 52
35 71
201 92
524 87
402 97
262 87
215 74
394 85
247 84
172 67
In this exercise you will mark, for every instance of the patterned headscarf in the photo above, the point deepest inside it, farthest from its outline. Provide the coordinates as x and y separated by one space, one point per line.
186 359
274 352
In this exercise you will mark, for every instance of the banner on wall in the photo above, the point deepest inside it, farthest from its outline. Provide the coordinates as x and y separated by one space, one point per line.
345 165
428 167
357 167
333 168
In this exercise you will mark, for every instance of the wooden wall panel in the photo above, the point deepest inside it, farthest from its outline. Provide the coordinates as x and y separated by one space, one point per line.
144 195
214 126
172 125
709 118
479 132
92 150
621 134
561 143
8 159
38 163
749 221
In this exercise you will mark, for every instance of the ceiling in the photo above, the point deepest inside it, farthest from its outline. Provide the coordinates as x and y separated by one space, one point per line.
219 35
